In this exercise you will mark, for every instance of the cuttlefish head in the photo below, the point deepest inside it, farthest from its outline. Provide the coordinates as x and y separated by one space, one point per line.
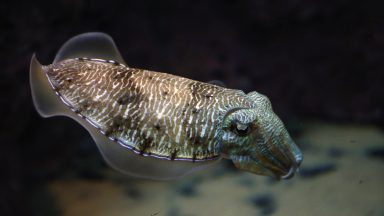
256 140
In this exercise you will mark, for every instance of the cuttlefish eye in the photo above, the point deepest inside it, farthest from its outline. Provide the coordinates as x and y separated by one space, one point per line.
240 129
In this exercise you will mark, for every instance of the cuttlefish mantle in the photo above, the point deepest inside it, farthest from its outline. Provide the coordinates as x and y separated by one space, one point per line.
158 125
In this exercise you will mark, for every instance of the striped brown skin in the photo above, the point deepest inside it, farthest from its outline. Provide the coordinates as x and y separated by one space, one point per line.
152 113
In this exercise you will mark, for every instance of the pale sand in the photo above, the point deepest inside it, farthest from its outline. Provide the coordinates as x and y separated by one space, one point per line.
355 187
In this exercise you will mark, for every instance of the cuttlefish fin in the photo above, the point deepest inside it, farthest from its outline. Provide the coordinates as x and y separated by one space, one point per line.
126 161
46 101
90 45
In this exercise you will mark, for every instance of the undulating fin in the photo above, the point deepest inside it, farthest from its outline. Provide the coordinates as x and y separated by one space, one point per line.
45 99
126 161
90 45
217 83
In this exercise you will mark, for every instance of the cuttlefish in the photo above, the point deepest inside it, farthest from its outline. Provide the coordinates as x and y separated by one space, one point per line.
157 125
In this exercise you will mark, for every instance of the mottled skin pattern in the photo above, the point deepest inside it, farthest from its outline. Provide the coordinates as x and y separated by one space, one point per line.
152 113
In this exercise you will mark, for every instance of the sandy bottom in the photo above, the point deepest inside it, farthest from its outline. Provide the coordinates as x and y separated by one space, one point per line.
339 177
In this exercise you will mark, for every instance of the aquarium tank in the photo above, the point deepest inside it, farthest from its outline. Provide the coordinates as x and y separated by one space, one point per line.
192 108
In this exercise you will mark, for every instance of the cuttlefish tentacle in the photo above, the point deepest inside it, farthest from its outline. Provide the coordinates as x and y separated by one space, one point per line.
157 125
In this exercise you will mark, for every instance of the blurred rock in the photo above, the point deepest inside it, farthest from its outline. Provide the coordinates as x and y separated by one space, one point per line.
316 170
376 153
265 203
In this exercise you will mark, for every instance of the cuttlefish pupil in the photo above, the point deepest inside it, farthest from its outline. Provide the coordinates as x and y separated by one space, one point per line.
158 125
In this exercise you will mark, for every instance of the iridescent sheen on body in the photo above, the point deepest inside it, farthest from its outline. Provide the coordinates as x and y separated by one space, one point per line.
158 125
153 113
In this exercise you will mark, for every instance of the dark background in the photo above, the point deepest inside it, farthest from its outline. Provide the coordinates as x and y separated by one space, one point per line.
314 59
